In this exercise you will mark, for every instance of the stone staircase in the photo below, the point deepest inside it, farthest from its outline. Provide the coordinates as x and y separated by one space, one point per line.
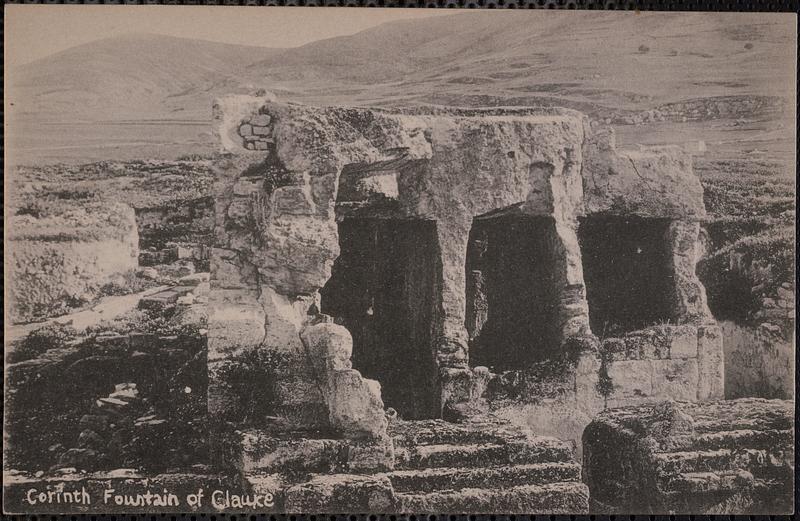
483 467
723 457
439 467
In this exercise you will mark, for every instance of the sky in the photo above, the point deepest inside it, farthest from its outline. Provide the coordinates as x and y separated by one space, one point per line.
33 31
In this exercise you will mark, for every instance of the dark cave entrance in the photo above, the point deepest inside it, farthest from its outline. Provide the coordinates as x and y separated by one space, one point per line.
512 307
382 290
627 273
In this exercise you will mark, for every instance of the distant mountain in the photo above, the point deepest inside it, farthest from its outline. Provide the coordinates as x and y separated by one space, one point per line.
130 76
614 60
610 65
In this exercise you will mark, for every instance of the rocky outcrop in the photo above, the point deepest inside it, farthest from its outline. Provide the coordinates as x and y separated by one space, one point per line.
674 458
354 403
61 262
289 172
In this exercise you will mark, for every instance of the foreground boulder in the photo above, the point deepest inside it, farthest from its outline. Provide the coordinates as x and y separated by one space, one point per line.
673 458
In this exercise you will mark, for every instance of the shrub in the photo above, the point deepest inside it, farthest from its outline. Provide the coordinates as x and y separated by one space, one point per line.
38 341
643 49
126 284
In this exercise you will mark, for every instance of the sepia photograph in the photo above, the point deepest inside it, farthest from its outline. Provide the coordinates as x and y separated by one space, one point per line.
398 261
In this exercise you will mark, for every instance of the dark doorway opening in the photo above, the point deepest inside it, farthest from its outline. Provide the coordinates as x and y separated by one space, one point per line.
382 290
511 299
626 271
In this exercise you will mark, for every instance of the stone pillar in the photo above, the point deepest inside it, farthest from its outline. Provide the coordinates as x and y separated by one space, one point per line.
573 308
567 195
450 333
689 303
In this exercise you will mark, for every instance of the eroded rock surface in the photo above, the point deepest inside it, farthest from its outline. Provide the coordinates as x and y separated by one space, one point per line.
291 173
714 458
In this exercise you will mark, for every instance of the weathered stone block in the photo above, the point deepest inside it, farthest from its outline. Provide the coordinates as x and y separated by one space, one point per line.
711 364
260 120
292 200
267 454
370 455
632 379
675 379
245 186
354 403
683 342
342 493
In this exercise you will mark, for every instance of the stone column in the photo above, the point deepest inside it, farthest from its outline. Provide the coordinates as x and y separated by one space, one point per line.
689 304
573 308
450 333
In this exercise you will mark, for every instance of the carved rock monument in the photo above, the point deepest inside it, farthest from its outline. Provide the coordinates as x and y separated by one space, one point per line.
477 266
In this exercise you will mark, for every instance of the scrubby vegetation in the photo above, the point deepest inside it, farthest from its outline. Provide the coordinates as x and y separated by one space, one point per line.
53 219
750 253
46 189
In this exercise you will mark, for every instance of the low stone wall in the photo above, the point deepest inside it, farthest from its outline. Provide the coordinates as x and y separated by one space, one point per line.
60 262
559 398
190 221
727 457
664 362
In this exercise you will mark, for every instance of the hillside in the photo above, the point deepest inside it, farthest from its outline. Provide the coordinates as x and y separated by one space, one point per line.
150 96
130 76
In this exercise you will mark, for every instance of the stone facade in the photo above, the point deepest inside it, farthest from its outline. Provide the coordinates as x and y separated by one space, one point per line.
360 249
292 172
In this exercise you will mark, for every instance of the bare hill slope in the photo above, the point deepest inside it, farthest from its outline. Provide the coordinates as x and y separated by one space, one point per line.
613 66
128 76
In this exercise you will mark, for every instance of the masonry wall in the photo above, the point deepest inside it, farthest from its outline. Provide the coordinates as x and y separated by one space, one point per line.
560 397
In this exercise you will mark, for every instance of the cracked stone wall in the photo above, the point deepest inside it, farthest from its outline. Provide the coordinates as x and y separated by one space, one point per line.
277 203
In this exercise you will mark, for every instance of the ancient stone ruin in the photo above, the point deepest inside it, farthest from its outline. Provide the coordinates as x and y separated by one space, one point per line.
730 456
507 269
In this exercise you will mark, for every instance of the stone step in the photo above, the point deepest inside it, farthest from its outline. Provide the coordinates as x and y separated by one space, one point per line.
756 424
443 478
554 498
709 460
533 450
439 432
707 482
752 439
